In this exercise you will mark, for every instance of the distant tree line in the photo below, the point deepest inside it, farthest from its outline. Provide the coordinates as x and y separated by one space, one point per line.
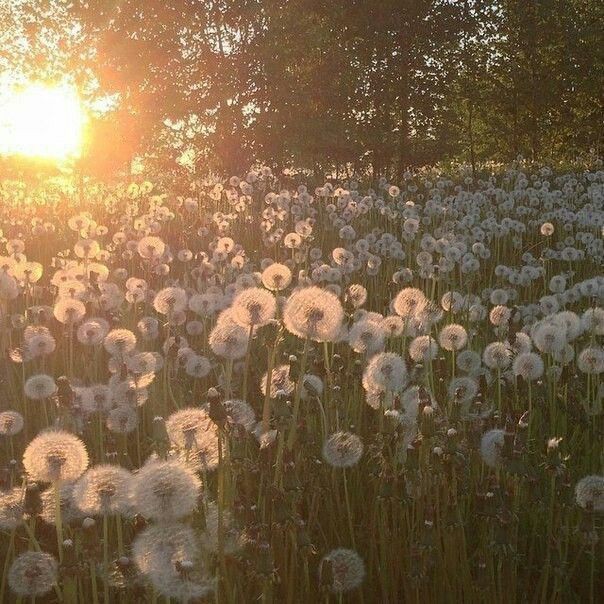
361 85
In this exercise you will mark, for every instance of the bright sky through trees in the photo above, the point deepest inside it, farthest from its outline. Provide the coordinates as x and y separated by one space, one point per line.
41 121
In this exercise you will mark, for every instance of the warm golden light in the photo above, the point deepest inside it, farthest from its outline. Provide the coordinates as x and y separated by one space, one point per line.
41 121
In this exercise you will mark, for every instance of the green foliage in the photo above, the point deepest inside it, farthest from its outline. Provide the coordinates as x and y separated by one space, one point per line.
344 85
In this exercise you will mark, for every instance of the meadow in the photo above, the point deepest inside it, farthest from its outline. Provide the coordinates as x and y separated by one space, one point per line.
253 389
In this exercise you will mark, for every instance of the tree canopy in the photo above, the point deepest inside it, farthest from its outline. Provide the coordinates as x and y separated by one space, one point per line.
320 84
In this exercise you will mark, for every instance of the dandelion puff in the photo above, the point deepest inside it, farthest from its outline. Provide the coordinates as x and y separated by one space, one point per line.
453 337
197 366
39 387
119 342
169 555
92 331
592 321
423 349
170 300
344 569
463 389
103 489
393 325
385 371
253 307
468 361
209 538
33 574
276 277
342 449
522 343
312 385
148 327
355 295
497 355
156 545
491 446
240 413
55 455
11 423
69 512
549 337
367 337
313 313
409 301
589 493
192 429
69 311
500 315
280 383
591 360
165 490
151 247
228 339
528 365
11 508
122 419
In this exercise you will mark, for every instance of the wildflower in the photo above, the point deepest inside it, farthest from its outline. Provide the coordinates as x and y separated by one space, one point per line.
148 327
468 361
385 371
151 247
165 490
500 315
253 307
528 365
69 311
312 386
463 389
423 349
169 555
276 277
55 455
119 342
197 366
192 429
240 413
170 300
497 355
122 419
367 336
342 449
11 508
313 313
591 360
228 339
33 574
39 387
491 446
589 493
11 423
69 511
280 383
356 295
103 489
453 337
92 331
342 569
593 321
409 302
549 337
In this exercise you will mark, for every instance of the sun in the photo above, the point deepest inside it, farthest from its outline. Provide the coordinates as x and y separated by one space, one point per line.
41 121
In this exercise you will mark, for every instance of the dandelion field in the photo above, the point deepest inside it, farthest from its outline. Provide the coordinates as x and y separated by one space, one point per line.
253 389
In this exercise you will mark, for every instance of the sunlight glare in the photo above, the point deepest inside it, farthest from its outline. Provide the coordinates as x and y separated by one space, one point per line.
41 121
